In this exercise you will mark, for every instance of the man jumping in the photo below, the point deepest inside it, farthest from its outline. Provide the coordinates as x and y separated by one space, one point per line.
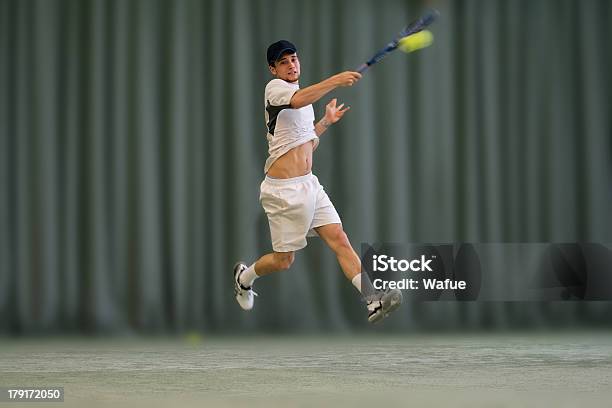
294 201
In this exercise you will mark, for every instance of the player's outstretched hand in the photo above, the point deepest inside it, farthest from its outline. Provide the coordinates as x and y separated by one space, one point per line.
347 78
334 113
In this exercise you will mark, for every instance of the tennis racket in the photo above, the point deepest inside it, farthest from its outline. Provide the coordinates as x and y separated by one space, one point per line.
418 25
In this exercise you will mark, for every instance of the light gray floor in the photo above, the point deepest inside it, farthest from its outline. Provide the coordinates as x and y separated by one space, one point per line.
562 369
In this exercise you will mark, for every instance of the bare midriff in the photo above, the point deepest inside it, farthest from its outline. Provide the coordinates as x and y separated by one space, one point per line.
296 162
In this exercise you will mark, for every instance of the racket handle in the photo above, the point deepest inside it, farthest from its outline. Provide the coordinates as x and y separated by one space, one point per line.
362 68
378 56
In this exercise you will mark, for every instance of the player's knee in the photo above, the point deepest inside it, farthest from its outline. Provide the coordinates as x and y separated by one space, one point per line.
284 260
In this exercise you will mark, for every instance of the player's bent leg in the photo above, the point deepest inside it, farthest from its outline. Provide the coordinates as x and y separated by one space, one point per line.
335 237
244 276
380 304
274 262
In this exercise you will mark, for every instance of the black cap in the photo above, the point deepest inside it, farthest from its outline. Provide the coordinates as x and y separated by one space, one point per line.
276 50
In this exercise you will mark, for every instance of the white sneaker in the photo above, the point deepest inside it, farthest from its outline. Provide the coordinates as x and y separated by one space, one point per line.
383 304
244 296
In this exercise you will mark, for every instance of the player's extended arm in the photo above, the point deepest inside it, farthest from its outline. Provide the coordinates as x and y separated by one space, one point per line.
313 93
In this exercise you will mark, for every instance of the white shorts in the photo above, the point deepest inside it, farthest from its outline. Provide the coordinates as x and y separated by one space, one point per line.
294 207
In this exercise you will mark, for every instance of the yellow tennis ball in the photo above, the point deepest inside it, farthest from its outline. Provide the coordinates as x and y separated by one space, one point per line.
193 338
416 41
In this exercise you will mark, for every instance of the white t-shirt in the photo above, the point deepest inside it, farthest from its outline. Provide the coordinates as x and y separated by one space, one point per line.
287 127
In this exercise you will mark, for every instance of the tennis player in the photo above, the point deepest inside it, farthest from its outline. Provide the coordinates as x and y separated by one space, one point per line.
294 201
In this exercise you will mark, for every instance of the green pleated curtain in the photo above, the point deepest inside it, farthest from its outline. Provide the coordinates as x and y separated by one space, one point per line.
132 144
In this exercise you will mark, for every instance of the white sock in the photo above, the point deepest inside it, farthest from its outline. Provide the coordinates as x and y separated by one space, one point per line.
368 290
248 276
356 281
